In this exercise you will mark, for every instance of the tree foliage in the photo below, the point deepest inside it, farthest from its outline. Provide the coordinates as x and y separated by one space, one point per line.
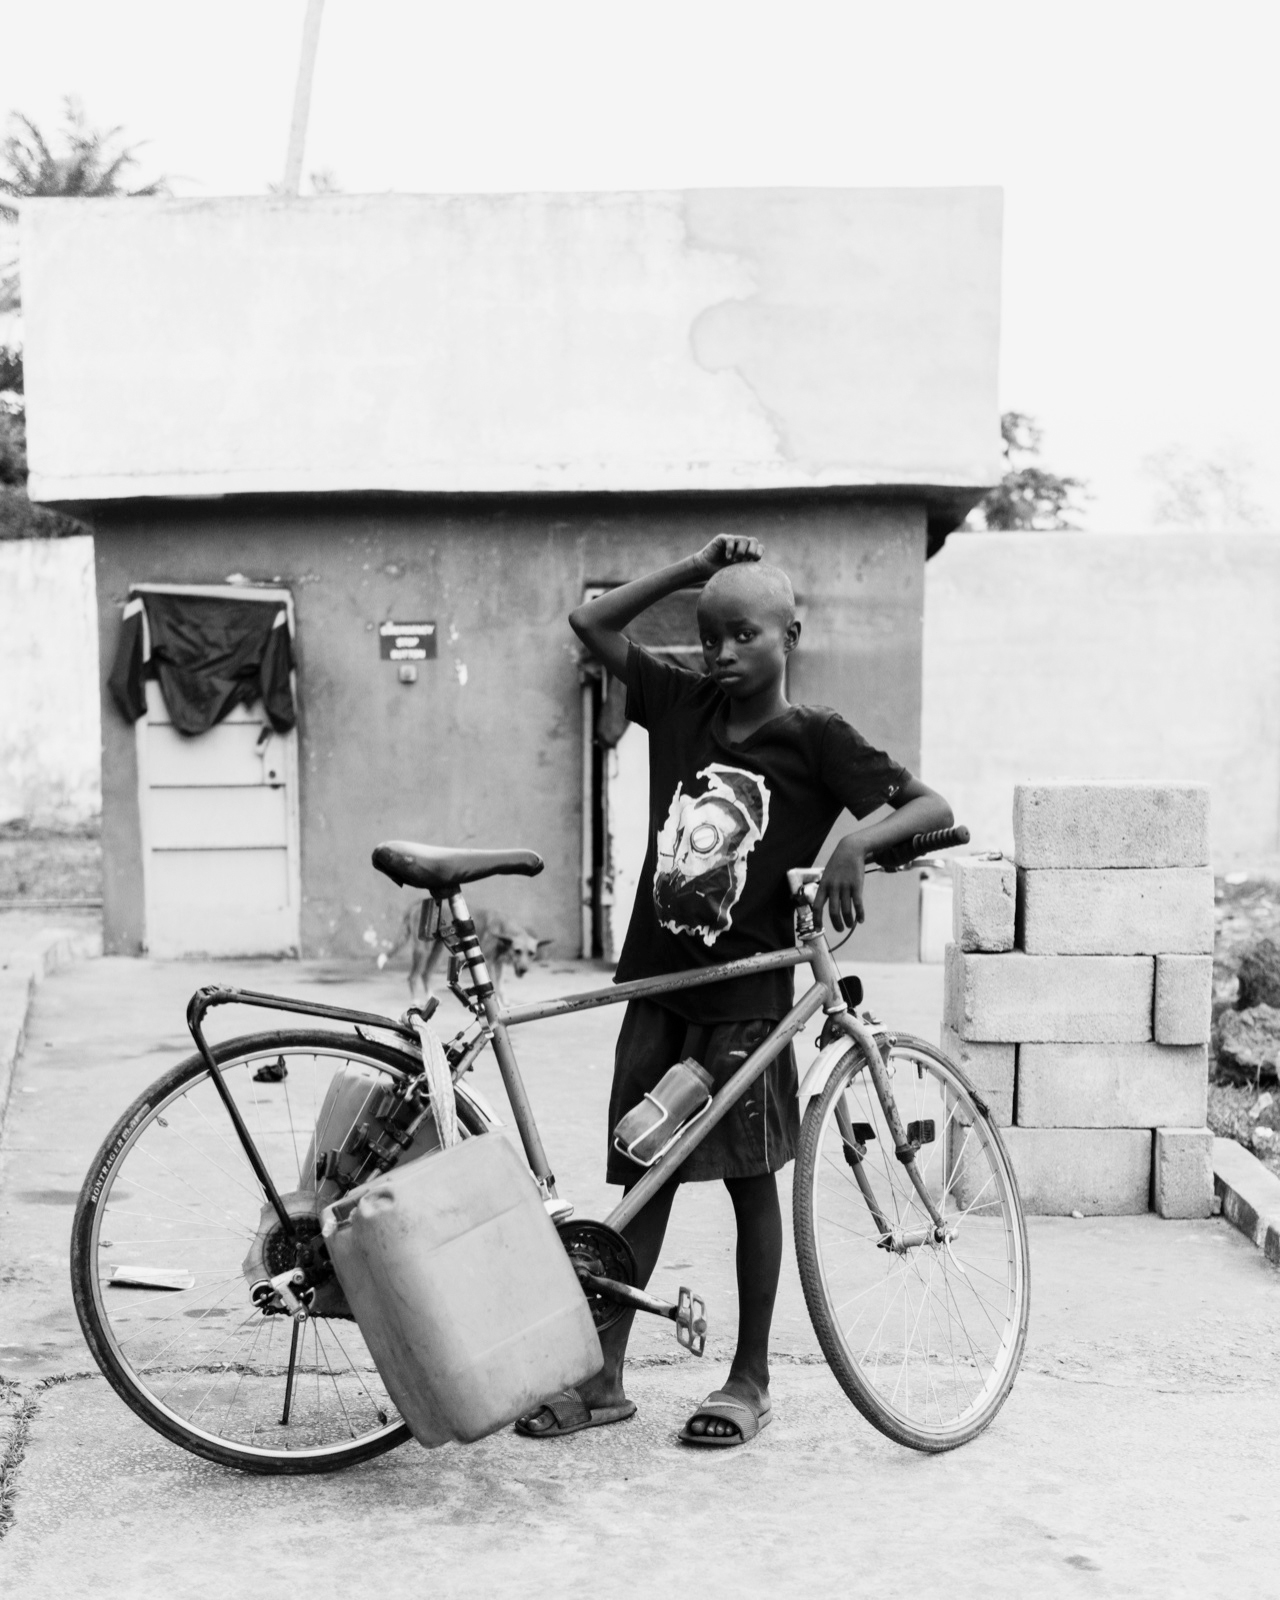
1028 496
13 427
1209 495
90 165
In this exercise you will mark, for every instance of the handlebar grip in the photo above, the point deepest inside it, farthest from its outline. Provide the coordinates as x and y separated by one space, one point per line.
922 844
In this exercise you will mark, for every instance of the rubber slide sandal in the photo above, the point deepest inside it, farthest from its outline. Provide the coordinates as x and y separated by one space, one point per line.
724 1407
569 1413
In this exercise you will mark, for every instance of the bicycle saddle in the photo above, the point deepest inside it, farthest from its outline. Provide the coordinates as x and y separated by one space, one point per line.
438 870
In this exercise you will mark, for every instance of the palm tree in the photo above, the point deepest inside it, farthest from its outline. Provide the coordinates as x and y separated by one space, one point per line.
91 164
88 166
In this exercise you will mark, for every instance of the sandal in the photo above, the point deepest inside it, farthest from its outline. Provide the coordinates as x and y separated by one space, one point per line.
568 1412
720 1406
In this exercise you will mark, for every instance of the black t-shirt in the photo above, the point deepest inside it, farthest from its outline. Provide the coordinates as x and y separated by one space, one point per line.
726 823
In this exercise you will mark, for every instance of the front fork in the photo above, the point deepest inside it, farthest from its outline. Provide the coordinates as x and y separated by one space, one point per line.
826 972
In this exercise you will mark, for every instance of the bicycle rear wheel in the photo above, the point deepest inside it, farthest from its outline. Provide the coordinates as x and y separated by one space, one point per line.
925 1335
172 1230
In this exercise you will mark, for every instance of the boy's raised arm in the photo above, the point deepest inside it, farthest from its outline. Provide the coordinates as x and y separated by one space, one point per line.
599 622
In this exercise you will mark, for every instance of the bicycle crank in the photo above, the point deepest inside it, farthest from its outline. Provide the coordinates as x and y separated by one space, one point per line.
606 1270
689 1313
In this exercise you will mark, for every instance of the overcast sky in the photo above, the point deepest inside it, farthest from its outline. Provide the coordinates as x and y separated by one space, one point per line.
1136 143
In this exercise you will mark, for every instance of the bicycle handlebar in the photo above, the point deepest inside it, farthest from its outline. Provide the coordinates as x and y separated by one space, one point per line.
892 859
922 844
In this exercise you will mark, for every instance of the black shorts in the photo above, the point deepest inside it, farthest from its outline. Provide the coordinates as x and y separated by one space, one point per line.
760 1133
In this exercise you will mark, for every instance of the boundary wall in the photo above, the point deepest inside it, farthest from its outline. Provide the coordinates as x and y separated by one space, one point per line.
50 734
1078 655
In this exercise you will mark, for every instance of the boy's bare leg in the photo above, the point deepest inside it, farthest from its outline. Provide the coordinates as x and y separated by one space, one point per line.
759 1263
644 1233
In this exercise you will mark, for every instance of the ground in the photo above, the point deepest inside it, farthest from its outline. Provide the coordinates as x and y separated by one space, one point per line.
1134 1457
50 863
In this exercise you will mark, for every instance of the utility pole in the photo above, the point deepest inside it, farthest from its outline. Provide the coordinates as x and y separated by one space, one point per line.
302 98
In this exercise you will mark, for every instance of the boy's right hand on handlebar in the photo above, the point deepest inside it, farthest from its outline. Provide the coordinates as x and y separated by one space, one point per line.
725 550
840 890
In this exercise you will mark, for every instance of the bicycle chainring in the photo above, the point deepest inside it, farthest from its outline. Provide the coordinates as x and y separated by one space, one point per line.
602 1251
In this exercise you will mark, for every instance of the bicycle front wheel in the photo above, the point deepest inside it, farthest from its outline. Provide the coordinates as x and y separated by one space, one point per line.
173 1231
923 1327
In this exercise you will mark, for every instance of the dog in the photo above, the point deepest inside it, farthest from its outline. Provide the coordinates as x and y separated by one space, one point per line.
505 945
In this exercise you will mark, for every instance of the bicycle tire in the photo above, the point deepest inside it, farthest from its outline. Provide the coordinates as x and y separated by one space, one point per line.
961 1339
194 1220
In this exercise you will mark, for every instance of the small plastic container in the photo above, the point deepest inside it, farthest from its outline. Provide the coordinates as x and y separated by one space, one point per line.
463 1290
681 1094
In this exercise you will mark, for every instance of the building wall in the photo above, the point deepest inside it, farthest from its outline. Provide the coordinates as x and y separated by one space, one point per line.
707 340
486 748
48 711
1072 655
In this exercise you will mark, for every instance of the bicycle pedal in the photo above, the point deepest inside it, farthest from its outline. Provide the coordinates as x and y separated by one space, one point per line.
691 1322
922 1132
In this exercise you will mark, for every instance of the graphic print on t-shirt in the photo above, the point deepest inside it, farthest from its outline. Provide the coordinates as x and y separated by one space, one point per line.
702 851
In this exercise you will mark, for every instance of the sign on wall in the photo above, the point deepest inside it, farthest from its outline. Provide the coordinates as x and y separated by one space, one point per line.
408 641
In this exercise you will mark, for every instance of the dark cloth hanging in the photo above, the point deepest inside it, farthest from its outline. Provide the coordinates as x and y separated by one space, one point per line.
127 680
209 654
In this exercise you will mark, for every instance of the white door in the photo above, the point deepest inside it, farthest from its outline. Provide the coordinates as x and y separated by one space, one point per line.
626 812
219 816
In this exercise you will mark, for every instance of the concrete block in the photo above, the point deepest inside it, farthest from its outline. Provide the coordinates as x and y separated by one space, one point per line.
1182 1177
1078 999
984 895
1250 1196
989 1067
1111 824
1183 999
1103 1172
1112 1085
1115 911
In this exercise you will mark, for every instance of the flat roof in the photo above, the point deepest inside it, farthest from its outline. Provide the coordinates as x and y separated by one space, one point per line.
677 341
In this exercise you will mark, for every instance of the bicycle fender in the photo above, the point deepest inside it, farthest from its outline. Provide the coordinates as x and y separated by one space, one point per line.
478 1102
815 1079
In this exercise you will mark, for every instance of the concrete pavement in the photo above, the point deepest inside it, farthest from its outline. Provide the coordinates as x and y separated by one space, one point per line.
1132 1458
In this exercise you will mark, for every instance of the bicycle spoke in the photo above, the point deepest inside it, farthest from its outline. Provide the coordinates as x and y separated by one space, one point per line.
181 1196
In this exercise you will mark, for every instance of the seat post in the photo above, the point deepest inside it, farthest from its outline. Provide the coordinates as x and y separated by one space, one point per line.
471 951
521 1109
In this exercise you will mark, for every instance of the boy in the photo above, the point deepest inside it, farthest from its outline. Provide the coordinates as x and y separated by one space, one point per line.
743 786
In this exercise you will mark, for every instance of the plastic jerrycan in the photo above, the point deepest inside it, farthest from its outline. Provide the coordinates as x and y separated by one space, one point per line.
462 1290
351 1099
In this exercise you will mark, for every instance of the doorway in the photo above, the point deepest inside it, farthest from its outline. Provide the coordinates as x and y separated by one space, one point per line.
219 821
615 789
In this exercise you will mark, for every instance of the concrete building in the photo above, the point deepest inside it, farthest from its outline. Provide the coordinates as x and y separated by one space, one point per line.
467 411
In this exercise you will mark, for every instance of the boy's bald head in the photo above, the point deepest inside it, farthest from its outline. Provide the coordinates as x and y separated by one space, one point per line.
755 585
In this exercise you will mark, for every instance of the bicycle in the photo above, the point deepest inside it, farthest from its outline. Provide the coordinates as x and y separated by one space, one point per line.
203 1286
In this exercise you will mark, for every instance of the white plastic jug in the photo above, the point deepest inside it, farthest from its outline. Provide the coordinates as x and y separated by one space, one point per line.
462 1290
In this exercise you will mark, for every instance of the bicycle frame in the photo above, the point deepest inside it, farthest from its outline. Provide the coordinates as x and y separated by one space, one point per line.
496 1019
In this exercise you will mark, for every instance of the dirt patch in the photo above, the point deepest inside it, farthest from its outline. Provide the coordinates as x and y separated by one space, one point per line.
1245 909
1241 1106
40 864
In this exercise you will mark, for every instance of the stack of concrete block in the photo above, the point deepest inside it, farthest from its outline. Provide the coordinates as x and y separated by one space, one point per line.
1078 989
